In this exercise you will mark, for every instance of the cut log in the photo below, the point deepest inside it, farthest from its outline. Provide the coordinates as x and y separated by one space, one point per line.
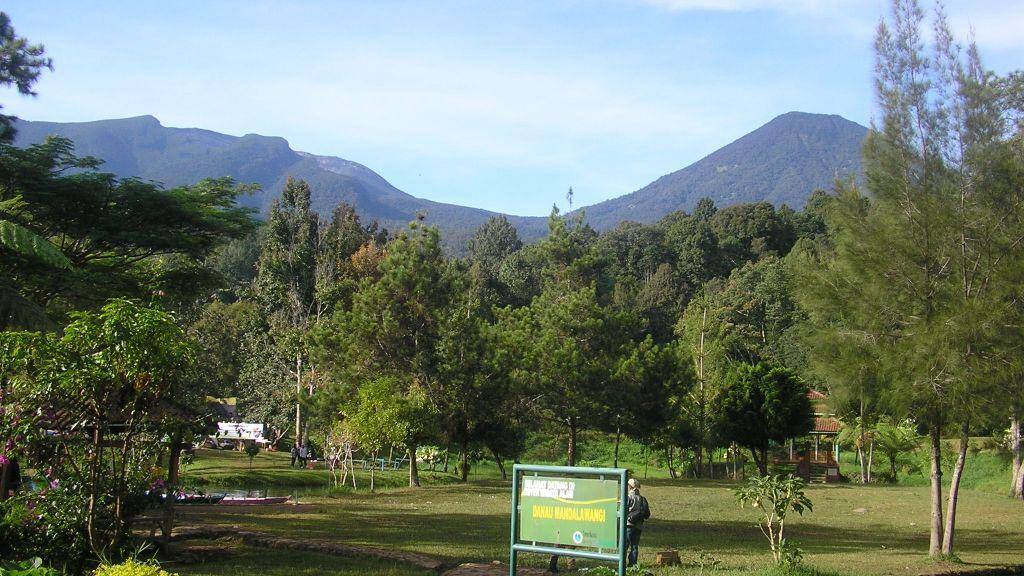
667 558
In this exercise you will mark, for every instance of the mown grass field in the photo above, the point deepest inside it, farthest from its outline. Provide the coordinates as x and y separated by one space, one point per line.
853 529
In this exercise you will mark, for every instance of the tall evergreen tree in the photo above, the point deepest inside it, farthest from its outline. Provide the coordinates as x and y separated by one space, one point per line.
286 280
395 329
21 64
763 404
916 275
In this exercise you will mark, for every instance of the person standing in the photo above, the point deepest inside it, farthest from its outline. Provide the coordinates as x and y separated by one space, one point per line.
303 455
637 511
295 454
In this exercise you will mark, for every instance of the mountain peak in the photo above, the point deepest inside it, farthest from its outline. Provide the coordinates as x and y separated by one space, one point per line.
781 162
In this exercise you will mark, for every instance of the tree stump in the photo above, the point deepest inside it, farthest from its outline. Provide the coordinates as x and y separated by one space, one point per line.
667 558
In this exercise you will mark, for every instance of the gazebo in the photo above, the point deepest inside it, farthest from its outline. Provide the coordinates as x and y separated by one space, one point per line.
823 463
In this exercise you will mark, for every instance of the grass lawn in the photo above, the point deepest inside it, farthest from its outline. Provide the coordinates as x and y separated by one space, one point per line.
213 469
853 529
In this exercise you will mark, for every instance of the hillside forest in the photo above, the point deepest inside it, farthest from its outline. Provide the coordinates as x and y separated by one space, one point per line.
125 306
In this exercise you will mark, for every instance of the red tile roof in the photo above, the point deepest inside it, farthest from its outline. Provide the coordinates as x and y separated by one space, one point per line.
826 425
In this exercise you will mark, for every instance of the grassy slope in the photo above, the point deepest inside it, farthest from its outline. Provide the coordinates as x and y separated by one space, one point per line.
853 529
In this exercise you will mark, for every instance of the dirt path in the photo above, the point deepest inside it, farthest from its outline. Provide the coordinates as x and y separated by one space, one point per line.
261 540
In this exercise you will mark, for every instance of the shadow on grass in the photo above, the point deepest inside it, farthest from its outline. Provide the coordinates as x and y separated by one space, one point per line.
461 535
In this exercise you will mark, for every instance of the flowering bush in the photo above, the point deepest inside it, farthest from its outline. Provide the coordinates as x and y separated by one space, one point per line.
89 410
131 568
48 524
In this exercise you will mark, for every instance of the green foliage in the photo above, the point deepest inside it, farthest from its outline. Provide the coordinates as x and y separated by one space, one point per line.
122 237
929 268
132 568
493 242
110 387
222 333
251 450
286 282
894 440
31 567
395 331
49 525
563 350
774 497
23 242
21 64
761 404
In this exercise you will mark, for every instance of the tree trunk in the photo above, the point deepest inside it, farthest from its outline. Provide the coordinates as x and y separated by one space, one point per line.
701 400
500 463
760 456
698 460
871 458
1019 485
298 394
1016 490
414 474
173 469
862 463
96 462
935 534
5 480
669 453
464 472
618 438
571 456
447 452
373 467
954 491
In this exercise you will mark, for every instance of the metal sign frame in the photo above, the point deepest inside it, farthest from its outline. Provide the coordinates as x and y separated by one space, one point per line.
515 546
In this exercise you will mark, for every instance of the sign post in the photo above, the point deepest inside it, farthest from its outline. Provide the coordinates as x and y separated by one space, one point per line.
554 507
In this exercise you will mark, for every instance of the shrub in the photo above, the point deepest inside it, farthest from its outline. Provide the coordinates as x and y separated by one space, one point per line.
132 568
775 496
33 567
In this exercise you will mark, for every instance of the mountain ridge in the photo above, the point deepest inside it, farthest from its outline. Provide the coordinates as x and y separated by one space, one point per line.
781 162
759 166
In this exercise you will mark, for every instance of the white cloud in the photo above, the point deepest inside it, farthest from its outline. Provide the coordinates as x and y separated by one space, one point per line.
997 26
785 6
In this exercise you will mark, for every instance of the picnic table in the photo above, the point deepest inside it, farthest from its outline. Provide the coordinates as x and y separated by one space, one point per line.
395 464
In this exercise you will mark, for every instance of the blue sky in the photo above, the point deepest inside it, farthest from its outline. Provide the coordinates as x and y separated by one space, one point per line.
499 105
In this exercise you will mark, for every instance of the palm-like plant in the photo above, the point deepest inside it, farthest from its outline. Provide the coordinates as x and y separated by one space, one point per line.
15 239
896 438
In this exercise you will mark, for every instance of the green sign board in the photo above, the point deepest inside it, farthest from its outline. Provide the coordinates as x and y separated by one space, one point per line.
569 511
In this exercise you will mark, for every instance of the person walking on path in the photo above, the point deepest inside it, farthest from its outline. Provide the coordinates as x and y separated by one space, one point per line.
637 511
303 455
295 454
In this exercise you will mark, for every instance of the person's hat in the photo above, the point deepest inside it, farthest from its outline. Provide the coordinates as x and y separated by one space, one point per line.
634 484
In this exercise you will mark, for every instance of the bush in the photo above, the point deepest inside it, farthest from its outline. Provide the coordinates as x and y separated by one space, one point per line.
132 568
33 567
49 524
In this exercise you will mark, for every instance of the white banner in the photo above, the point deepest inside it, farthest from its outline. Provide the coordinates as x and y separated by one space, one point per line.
239 430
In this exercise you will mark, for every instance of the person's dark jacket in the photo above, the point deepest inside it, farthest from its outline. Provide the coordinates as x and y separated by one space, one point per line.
637 510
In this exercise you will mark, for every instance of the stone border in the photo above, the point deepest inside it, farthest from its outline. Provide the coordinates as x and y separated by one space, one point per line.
262 540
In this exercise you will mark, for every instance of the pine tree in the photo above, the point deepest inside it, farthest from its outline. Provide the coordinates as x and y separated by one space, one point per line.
917 275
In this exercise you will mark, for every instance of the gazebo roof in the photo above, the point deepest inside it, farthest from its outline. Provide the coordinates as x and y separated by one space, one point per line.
825 425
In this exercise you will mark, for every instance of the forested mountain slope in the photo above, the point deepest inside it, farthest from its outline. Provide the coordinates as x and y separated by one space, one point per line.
781 162
144 148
